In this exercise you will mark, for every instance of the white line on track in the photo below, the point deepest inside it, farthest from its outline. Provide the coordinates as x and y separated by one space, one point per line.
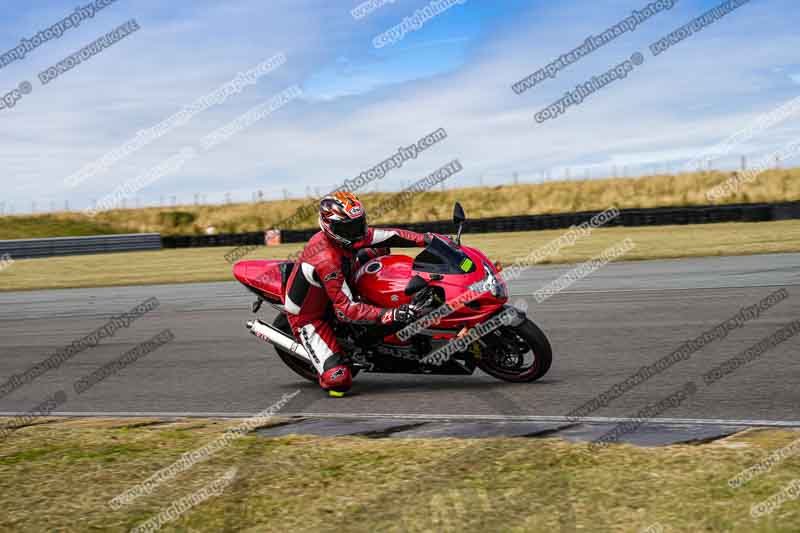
441 418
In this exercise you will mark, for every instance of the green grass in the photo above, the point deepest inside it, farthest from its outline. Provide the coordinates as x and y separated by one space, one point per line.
60 476
208 264
552 197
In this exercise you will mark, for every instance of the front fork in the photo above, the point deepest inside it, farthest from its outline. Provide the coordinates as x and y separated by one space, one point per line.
510 316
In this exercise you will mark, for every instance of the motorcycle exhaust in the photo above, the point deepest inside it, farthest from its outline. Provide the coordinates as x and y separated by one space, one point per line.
275 336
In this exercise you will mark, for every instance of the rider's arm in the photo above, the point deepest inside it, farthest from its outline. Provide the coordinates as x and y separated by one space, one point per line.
344 305
365 255
391 237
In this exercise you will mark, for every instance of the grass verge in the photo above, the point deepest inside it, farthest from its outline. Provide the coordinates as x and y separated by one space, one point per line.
208 264
60 476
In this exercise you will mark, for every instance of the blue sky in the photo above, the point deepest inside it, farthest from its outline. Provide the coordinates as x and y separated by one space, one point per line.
360 103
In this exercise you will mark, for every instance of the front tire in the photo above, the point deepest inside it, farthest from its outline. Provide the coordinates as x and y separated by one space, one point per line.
508 344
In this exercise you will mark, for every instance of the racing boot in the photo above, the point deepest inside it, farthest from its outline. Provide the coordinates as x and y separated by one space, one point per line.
336 377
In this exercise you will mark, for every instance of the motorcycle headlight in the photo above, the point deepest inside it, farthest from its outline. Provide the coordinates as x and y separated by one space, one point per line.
492 284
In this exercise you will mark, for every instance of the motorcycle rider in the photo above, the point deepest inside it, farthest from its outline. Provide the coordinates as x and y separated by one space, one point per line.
322 275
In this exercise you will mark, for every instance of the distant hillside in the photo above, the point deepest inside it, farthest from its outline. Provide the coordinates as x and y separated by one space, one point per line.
553 197
56 225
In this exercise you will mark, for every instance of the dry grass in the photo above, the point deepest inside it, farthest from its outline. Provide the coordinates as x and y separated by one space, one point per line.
60 476
553 197
208 264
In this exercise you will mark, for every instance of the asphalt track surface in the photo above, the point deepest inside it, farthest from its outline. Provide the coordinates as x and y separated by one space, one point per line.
602 330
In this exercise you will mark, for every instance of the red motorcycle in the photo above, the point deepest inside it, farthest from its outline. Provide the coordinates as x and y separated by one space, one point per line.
465 321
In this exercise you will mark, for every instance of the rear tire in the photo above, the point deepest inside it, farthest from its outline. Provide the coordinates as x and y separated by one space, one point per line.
299 367
536 341
305 370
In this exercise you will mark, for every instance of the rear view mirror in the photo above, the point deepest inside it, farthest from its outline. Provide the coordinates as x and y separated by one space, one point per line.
415 284
458 214
459 217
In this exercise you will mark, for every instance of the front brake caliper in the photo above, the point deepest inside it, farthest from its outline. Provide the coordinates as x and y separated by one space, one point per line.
475 348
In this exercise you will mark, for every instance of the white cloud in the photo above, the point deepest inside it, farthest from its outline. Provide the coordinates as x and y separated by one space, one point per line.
360 107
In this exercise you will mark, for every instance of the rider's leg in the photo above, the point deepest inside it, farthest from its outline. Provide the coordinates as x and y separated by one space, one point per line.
320 343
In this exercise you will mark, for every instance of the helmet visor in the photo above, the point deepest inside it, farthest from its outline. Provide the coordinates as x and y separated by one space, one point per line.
351 230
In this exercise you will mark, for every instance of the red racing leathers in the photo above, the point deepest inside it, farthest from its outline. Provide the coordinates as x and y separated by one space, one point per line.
322 276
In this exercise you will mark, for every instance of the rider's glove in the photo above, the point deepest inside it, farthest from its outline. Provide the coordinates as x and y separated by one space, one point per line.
404 314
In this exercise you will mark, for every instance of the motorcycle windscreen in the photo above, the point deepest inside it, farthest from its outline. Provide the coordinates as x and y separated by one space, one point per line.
440 257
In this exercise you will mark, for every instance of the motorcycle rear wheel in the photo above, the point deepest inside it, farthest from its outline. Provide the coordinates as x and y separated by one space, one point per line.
301 368
305 370
526 333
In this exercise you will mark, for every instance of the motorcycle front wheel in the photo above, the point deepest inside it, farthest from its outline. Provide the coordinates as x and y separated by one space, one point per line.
519 354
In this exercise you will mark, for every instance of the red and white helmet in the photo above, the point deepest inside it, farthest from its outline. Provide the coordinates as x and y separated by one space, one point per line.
342 218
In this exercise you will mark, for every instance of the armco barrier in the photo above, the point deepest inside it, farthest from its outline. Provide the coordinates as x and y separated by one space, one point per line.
28 248
659 216
223 239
